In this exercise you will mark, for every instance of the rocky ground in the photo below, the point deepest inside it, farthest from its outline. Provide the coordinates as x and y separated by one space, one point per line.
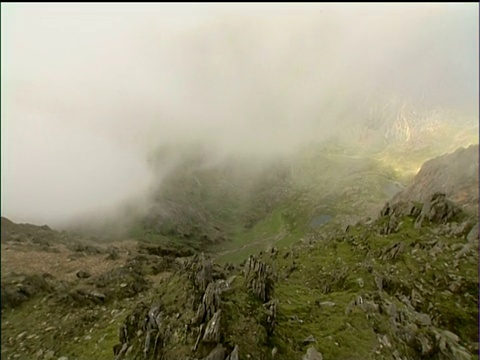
404 286
401 285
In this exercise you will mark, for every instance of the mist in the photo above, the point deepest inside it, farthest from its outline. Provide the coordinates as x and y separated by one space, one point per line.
91 91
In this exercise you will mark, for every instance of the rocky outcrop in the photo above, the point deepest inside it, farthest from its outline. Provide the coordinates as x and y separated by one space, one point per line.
211 301
312 354
204 276
436 210
142 334
271 308
207 320
212 331
401 208
454 174
201 271
234 354
392 213
260 278
390 225
392 252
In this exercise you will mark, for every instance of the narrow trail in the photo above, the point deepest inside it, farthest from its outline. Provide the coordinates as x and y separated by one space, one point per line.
253 244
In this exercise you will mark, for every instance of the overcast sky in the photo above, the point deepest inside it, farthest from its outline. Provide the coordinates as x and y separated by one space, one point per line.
90 90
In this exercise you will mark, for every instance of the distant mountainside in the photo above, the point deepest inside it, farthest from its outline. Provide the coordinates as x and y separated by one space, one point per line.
11 231
400 124
455 174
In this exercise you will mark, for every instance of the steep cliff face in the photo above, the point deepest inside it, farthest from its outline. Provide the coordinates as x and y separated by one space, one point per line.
455 174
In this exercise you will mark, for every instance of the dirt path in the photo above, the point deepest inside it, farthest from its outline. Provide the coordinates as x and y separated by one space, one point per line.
254 245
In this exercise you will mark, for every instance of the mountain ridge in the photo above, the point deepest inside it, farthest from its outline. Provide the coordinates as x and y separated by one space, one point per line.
403 285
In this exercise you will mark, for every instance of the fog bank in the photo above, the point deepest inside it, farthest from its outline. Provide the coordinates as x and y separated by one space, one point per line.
91 91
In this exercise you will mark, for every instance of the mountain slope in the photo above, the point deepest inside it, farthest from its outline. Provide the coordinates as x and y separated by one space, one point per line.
455 174
281 274
401 286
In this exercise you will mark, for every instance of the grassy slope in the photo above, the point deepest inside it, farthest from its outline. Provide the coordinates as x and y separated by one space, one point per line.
339 335
324 181
354 333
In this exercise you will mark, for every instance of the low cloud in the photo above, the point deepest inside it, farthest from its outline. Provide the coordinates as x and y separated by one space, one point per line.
91 91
